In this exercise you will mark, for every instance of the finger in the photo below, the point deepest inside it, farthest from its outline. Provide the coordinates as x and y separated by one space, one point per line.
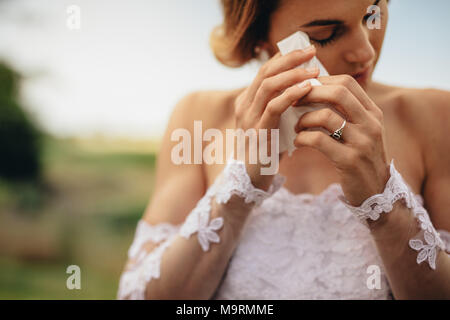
277 55
279 63
274 86
278 105
332 149
327 119
354 87
341 98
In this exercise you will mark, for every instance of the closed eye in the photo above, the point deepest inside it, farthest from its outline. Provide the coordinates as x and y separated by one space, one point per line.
327 37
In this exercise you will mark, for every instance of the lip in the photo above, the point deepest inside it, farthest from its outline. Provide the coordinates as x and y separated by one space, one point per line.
362 76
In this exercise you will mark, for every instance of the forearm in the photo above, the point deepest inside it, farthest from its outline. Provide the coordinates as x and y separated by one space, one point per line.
187 272
411 249
188 261
408 279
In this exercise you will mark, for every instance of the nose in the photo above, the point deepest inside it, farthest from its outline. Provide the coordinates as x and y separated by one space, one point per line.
360 49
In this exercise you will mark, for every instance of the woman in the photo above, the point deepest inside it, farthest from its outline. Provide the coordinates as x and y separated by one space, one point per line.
243 235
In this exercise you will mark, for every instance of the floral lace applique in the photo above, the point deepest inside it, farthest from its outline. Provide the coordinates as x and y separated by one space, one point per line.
427 241
234 180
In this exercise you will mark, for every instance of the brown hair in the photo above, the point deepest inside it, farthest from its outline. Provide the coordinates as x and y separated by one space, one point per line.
246 23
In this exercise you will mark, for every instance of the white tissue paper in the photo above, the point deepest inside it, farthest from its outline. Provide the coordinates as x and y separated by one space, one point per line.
297 41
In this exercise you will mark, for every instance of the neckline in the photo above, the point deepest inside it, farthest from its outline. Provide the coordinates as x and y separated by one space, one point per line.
334 186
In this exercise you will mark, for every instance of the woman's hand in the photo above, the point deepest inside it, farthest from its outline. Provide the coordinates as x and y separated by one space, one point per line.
274 89
361 155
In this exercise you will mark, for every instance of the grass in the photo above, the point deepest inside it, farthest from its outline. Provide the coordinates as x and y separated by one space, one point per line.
84 212
31 280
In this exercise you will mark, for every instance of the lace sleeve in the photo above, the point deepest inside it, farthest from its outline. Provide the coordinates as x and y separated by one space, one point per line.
428 241
144 263
144 256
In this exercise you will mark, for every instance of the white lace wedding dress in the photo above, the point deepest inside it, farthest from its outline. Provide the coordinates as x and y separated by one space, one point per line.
303 247
292 247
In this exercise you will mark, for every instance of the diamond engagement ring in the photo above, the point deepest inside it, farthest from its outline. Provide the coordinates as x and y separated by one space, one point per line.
338 133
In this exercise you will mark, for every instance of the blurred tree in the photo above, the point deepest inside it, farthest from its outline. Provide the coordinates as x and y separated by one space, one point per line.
19 137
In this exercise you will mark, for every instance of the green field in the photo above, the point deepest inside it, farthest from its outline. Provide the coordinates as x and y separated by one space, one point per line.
83 212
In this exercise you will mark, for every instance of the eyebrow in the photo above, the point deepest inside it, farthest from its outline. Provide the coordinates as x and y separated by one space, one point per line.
316 23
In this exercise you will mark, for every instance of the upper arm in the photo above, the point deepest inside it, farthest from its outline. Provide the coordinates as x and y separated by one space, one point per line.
178 188
437 158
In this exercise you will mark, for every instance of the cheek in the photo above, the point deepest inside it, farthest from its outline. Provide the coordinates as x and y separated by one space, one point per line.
332 58
377 39
329 58
377 43
377 36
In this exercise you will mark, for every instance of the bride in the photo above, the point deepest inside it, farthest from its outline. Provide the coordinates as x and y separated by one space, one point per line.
361 214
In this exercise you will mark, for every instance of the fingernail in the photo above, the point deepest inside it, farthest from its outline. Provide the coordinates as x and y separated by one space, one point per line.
304 84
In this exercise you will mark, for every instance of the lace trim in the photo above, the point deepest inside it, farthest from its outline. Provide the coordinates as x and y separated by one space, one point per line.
146 265
234 180
198 221
146 232
427 241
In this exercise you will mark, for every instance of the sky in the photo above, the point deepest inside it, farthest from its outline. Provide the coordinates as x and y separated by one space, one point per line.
123 71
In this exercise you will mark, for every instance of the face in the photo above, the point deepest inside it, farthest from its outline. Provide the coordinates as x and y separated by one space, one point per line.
338 29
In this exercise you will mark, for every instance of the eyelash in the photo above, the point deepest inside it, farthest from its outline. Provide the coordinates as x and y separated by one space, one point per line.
334 36
337 33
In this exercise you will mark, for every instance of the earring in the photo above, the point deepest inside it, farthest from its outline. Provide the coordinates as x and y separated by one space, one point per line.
262 55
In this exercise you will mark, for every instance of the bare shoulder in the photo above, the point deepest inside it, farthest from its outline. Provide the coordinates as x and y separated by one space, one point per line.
427 110
212 107
425 113
185 180
432 112
430 104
